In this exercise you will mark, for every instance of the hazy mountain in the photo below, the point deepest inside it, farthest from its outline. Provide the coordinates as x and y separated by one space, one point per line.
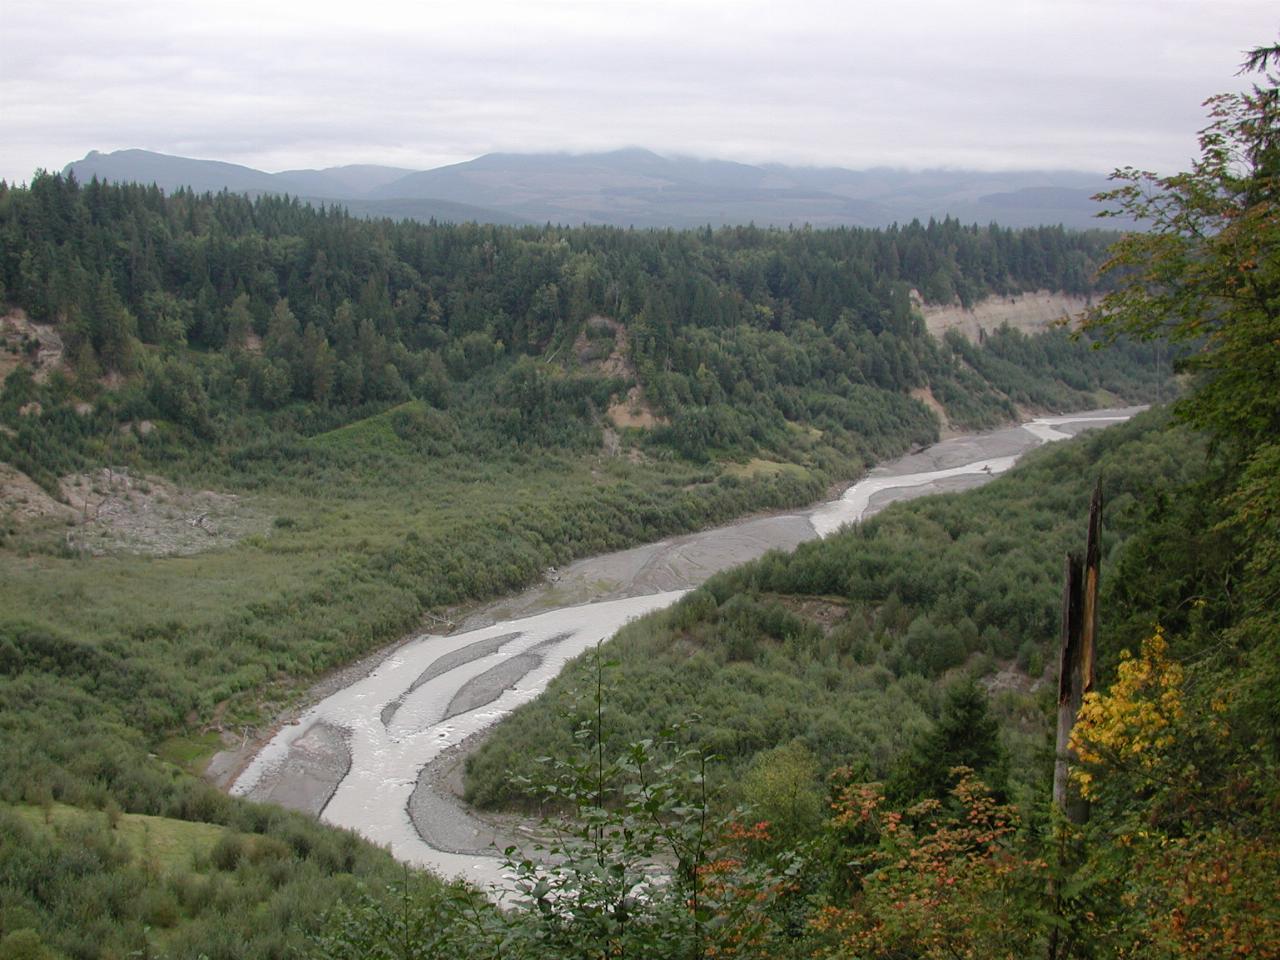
633 188
354 180
348 186
640 188
636 187
169 173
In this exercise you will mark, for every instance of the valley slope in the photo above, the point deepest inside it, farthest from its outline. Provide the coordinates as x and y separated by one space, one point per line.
362 424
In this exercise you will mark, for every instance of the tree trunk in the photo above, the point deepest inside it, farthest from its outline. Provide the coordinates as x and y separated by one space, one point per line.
1076 665
1075 679
1068 664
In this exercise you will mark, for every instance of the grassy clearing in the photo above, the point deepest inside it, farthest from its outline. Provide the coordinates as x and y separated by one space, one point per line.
372 434
756 467
162 843
190 752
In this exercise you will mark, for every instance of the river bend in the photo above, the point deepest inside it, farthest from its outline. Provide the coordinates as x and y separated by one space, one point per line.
372 756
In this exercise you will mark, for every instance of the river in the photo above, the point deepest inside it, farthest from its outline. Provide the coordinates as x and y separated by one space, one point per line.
375 755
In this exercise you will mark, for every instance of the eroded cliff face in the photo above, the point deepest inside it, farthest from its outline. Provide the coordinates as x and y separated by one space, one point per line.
1028 312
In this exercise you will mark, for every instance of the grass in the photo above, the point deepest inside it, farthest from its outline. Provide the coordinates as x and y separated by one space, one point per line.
174 846
755 468
372 433
191 752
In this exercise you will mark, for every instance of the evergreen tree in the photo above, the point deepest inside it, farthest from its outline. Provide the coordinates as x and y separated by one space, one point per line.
965 735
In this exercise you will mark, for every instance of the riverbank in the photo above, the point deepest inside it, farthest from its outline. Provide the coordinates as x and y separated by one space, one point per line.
369 768
684 562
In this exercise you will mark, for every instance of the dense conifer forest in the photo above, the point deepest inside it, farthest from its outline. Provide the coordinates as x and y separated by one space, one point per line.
226 310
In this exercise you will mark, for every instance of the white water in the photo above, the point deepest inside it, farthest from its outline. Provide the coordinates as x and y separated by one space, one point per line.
852 506
373 797
386 758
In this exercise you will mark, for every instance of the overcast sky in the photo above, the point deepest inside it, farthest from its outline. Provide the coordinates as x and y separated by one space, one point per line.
1085 84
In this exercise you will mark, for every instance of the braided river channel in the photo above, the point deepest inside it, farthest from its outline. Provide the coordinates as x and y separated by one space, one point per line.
382 754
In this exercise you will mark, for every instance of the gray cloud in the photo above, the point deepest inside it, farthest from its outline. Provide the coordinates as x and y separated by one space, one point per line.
1038 83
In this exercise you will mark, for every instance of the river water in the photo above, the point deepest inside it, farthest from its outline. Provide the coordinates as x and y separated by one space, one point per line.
363 757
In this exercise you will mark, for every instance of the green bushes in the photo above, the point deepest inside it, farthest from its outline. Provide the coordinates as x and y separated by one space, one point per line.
177 887
923 589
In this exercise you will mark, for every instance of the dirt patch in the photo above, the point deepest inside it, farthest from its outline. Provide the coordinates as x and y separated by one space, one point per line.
319 760
22 500
488 686
23 343
925 396
945 429
757 467
141 427
601 334
1010 678
602 347
610 444
634 411
444 820
1028 312
118 512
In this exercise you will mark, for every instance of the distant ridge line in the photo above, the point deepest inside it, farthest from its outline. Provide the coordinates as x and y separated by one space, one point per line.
635 187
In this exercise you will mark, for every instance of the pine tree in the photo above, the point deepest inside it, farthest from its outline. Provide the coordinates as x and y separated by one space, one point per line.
966 735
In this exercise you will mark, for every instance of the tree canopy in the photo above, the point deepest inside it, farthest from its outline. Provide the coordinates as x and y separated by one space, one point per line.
1206 272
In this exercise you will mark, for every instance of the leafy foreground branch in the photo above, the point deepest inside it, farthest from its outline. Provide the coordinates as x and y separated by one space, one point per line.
1179 860
638 865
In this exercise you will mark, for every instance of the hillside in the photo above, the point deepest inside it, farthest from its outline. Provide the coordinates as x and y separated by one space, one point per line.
838 647
1163 839
272 439
639 188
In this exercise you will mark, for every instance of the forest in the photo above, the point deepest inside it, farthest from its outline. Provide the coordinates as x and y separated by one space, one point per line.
230 316
412 417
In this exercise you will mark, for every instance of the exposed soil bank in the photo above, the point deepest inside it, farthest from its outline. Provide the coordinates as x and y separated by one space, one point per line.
1028 312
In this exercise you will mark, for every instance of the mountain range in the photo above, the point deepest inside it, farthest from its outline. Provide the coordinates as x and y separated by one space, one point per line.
636 187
